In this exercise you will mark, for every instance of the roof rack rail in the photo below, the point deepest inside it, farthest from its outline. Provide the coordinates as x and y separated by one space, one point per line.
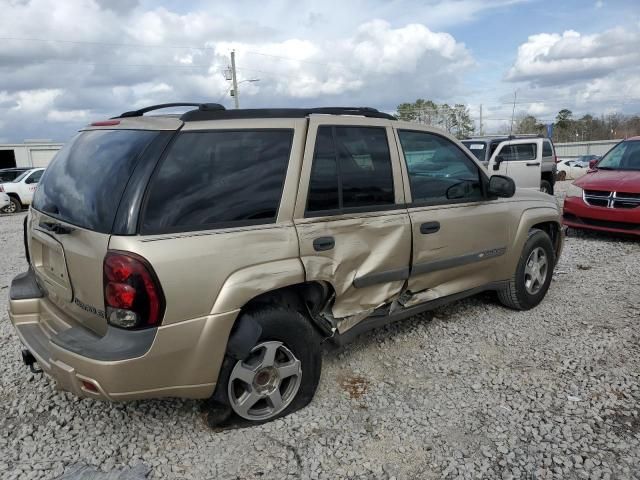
201 106
220 114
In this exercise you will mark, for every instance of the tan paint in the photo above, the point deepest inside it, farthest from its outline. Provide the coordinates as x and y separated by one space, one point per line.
208 276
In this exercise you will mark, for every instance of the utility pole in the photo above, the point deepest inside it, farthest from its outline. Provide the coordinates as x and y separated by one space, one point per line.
513 112
234 78
481 132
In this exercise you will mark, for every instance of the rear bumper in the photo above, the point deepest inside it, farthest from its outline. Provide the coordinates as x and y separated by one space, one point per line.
177 360
578 214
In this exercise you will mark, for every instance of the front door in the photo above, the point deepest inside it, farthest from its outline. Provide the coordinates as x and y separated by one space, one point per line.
520 160
458 234
352 225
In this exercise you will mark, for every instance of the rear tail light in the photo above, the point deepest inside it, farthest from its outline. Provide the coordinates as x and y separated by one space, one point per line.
1 188
555 159
132 294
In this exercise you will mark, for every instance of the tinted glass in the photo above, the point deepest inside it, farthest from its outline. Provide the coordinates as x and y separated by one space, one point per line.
518 152
35 177
323 184
362 176
478 149
216 178
439 171
365 166
547 151
84 182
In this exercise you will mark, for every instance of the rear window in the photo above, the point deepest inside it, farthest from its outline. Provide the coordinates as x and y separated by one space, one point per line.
478 149
547 151
218 178
85 181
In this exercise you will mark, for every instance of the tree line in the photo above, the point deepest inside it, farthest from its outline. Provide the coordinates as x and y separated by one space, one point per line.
456 119
587 128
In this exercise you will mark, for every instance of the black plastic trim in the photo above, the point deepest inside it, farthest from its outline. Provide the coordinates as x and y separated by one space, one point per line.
24 286
377 321
117 344
382 277
428 267
247 113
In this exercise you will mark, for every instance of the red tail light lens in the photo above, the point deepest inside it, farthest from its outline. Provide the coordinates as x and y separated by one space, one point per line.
132 294
1 188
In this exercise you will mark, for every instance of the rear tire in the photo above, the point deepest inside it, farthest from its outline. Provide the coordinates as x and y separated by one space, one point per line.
546 187
13 207
562 176
279 376
532 277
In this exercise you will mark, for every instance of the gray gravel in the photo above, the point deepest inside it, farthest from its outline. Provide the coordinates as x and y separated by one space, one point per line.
471 391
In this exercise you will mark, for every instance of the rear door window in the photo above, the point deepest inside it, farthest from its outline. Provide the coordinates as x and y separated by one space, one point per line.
83 184
218 178
518 152
547 151
351 170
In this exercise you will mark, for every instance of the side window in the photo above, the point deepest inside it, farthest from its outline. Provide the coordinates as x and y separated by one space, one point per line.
215 178
439 172
547 151
34 177
518 152
351 169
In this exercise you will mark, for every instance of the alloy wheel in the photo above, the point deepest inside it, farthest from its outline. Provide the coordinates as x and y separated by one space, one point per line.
265 383
536 270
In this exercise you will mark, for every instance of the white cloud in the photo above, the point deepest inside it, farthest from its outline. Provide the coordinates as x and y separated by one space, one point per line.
569 57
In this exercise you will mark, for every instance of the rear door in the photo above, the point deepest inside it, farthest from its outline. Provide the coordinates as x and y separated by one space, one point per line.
29 185
73 213
458 234
353 228
519 159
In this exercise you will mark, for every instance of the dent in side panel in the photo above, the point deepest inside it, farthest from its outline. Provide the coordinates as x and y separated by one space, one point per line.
363 245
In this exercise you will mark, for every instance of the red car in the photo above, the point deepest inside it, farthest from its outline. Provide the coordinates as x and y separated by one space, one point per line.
607 197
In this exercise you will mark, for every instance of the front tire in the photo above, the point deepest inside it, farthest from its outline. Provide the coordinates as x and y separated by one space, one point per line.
281 373
532 277
546 187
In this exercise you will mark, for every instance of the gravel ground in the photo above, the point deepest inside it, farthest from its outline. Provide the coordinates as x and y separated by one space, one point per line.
471 391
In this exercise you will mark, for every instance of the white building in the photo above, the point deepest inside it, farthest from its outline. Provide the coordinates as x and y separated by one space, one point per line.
31 153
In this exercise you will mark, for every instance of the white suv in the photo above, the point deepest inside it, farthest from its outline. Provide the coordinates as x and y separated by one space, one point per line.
20 191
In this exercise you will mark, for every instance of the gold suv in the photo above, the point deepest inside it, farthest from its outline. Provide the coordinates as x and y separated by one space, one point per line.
209 254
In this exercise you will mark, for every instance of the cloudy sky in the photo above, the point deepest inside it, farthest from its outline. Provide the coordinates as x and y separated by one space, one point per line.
66 63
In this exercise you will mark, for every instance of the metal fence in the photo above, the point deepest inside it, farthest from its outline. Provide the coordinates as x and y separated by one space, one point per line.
576 149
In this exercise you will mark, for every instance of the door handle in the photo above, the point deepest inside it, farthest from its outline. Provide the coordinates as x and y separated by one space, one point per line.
322 244
533 164
429 227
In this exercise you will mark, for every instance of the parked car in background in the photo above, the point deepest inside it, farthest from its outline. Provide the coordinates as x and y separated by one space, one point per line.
5 201
607 197
21 189
531 159
10 174
249 237
571 169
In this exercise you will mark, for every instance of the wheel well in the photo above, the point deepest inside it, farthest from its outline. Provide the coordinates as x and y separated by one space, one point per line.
309 298
15 197
548 176
553 230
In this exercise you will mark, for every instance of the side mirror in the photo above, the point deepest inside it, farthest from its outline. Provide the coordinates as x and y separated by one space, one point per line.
497 161
501 186
593 163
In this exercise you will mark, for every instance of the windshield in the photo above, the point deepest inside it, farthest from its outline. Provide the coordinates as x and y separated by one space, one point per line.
86 179
20 177
478 149
624 156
